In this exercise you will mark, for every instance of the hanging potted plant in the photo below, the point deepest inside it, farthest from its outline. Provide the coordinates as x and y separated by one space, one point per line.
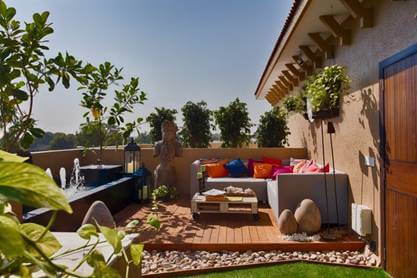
325 91
297 104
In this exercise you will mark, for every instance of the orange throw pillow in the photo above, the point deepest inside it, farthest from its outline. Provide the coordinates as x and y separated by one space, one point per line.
262 170
216 170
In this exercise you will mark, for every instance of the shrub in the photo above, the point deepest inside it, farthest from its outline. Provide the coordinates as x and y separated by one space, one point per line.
326 88
196 130
234 124
296 103
272 130
156 119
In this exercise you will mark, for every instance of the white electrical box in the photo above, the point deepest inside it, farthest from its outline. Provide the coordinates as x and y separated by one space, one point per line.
361 219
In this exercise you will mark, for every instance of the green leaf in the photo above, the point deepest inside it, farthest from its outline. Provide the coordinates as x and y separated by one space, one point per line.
11 242
29 185
86 231
136 253
153 220
103 271
65 80
94 258
9 157
112 238
48 244
20 95
132 224
26 140
37 132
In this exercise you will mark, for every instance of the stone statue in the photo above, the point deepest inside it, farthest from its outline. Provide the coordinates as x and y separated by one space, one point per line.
167 149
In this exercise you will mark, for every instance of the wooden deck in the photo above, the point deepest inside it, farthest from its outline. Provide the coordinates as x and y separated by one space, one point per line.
216 232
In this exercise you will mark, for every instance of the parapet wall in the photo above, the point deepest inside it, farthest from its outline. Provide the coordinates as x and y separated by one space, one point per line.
65 158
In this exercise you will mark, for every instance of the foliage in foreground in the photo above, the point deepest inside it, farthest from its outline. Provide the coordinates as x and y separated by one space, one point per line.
27 247
272 129
24 71
196 130
155 120
300 270
234 124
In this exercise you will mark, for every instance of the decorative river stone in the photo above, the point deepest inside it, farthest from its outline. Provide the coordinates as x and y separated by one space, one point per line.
286 223
308 217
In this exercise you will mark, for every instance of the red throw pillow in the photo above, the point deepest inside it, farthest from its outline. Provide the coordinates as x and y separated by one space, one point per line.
278 170
270 160
325 169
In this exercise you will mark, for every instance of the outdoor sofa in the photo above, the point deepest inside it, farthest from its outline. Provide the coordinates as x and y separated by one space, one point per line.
287 191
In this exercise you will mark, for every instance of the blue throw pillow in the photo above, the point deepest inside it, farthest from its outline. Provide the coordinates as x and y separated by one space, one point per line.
236 168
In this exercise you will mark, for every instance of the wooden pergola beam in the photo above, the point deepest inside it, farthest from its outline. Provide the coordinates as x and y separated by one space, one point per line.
336 29
281 87
269 99
274 99
290 77
357 10
304 65
286 83
278 90
323 44
276 95
299 73
314 58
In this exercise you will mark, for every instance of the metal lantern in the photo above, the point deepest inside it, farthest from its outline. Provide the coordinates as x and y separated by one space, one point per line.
132 157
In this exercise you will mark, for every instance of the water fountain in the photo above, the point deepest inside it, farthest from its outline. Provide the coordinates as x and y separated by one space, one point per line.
76 180
49 172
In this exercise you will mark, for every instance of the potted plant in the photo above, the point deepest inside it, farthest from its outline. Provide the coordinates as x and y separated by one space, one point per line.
325 90
108 122
296 103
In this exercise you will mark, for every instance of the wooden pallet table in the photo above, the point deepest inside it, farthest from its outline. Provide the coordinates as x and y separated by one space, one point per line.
244 205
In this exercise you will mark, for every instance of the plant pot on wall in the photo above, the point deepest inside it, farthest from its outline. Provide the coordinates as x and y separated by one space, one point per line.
326 114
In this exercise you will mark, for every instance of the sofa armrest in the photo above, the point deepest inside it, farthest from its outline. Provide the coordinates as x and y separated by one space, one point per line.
195 168
293 188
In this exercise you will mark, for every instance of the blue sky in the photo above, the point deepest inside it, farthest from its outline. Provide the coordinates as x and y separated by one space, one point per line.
211 50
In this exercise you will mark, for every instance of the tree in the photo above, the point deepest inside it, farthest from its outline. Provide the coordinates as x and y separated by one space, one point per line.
24 70
89 136
62 141
42 143
196 130
272 130
144 138
155 120
234 124
110 118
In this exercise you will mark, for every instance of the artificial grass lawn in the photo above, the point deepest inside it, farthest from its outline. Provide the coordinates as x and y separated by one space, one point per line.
295 270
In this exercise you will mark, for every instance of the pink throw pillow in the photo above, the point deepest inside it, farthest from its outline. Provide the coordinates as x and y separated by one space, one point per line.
278 170
314 168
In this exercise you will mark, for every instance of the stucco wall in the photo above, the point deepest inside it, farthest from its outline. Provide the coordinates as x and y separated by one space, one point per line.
57 159
357 128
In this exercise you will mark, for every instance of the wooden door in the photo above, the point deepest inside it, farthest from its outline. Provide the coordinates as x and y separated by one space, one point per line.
399 111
